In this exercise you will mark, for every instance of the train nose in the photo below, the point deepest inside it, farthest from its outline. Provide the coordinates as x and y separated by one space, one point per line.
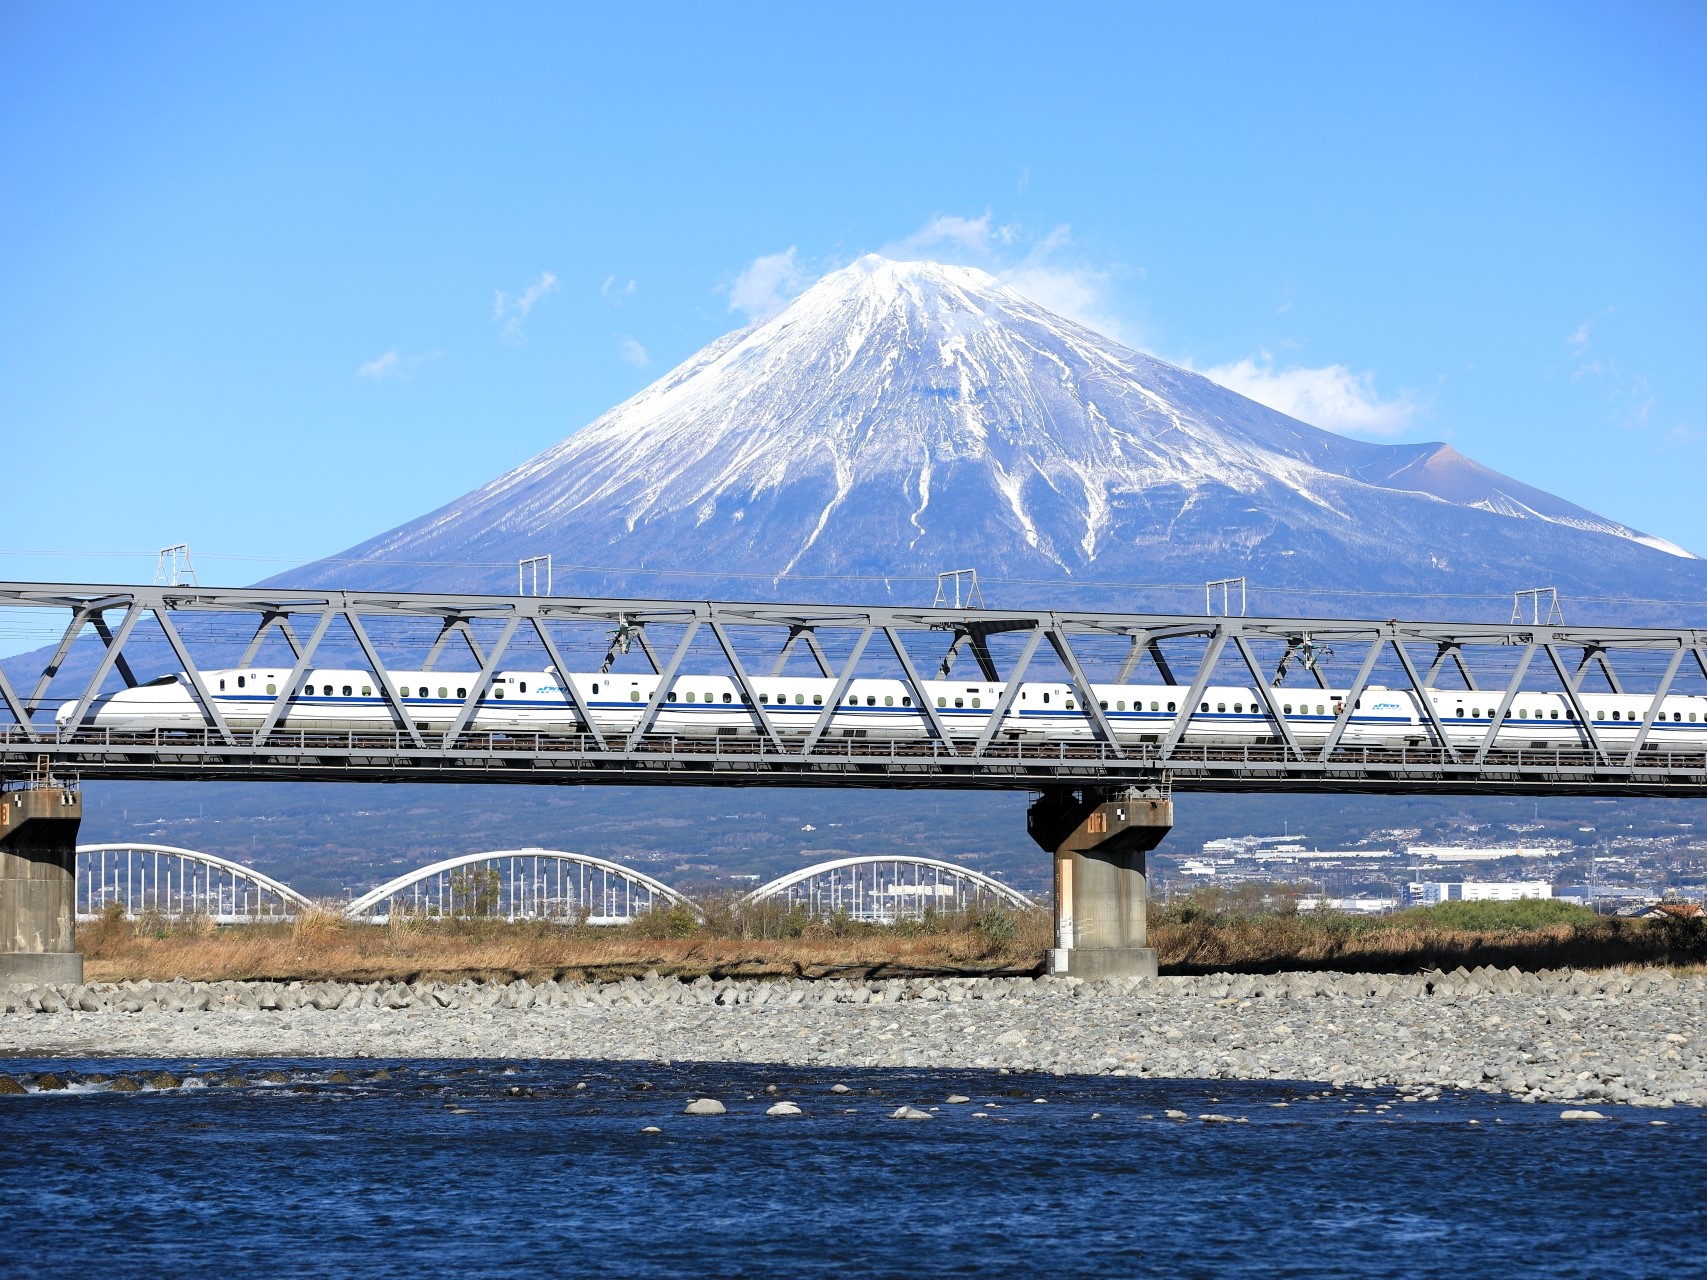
63 716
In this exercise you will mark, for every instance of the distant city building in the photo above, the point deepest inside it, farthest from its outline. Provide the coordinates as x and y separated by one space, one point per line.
1430 893
1367 906
1464 853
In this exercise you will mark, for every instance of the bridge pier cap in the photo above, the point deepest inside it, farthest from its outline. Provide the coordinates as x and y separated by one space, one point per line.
1099 838
38 882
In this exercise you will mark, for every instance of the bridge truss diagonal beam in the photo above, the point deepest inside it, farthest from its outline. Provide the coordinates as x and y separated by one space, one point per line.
96 651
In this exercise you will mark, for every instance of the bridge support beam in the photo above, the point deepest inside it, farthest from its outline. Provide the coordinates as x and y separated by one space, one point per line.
1099 838
38 884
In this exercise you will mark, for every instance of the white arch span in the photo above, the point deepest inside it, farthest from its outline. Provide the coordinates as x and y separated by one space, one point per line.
209 860
782 884
371 899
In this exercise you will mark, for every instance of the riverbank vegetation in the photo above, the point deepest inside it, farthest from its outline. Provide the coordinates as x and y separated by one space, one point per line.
1206 932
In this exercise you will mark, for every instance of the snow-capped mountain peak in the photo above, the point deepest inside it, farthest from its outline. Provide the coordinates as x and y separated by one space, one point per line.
902 417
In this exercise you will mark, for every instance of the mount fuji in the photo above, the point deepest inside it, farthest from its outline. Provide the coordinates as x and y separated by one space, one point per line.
901 418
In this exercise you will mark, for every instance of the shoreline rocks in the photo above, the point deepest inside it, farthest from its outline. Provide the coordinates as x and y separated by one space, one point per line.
1607 1037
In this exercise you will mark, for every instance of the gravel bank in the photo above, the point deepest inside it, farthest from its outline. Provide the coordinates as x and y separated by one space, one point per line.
1615 1037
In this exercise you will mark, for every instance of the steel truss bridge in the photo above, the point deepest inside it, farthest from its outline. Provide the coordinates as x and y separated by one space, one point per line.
110 637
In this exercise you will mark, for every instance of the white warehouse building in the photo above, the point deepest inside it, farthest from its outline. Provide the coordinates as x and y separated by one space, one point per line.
1431 892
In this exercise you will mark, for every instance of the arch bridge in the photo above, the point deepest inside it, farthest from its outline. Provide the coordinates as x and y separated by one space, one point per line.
175 883
519 884
887 889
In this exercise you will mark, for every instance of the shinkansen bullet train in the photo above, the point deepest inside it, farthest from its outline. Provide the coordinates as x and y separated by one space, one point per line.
710 706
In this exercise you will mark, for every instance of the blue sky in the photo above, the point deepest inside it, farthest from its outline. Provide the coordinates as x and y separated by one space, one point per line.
280 277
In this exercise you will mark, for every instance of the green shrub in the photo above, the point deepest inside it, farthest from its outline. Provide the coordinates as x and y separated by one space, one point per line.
1525 913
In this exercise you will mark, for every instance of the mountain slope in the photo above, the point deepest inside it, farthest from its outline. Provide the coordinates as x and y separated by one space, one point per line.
903 418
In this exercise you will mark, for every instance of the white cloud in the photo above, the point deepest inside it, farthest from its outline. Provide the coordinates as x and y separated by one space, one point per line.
512 309
394 364
615 291
634 353
1332 397
967 235
380 367
767 285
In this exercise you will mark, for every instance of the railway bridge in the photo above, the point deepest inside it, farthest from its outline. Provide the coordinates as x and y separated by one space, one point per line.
1104 797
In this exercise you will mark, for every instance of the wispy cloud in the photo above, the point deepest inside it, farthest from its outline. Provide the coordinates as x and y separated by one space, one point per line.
634 353
1331 397
513 309
394 364
1044 266
973 236
614 289
766 285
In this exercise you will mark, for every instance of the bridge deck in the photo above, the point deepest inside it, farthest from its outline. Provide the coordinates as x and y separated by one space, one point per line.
579 759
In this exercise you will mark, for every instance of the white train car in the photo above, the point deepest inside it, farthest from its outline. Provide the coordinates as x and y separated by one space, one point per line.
351 699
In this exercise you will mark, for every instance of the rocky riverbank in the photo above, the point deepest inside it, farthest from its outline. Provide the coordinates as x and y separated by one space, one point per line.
1635 1037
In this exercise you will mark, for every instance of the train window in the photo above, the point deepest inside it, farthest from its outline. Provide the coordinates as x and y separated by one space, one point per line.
367 691
670 696
1616 715
960 702
222 686
498 691
853 700
726 697
1171 707
799 698
1239 708
1220 706
422 690
239 682
871 699
977 703
1286 709
273 688
1046 699
764 699
634 695
1691 717
888 700
462 693
1677 717
817 699
1103 705
692 695
595 687
1206 706
1321 710
1555 715
348 691
1119 705
1071 705
942 702
326 689
443 692
1475 712
524 688
906 700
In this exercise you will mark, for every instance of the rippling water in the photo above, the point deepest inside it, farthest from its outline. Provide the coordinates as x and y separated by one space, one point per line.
541 1168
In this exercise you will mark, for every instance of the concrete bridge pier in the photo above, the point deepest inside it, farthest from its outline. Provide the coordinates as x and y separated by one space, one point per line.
1099 838
38 884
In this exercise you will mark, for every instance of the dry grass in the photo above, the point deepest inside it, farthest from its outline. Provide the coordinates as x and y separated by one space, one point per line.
1527 936
323 946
